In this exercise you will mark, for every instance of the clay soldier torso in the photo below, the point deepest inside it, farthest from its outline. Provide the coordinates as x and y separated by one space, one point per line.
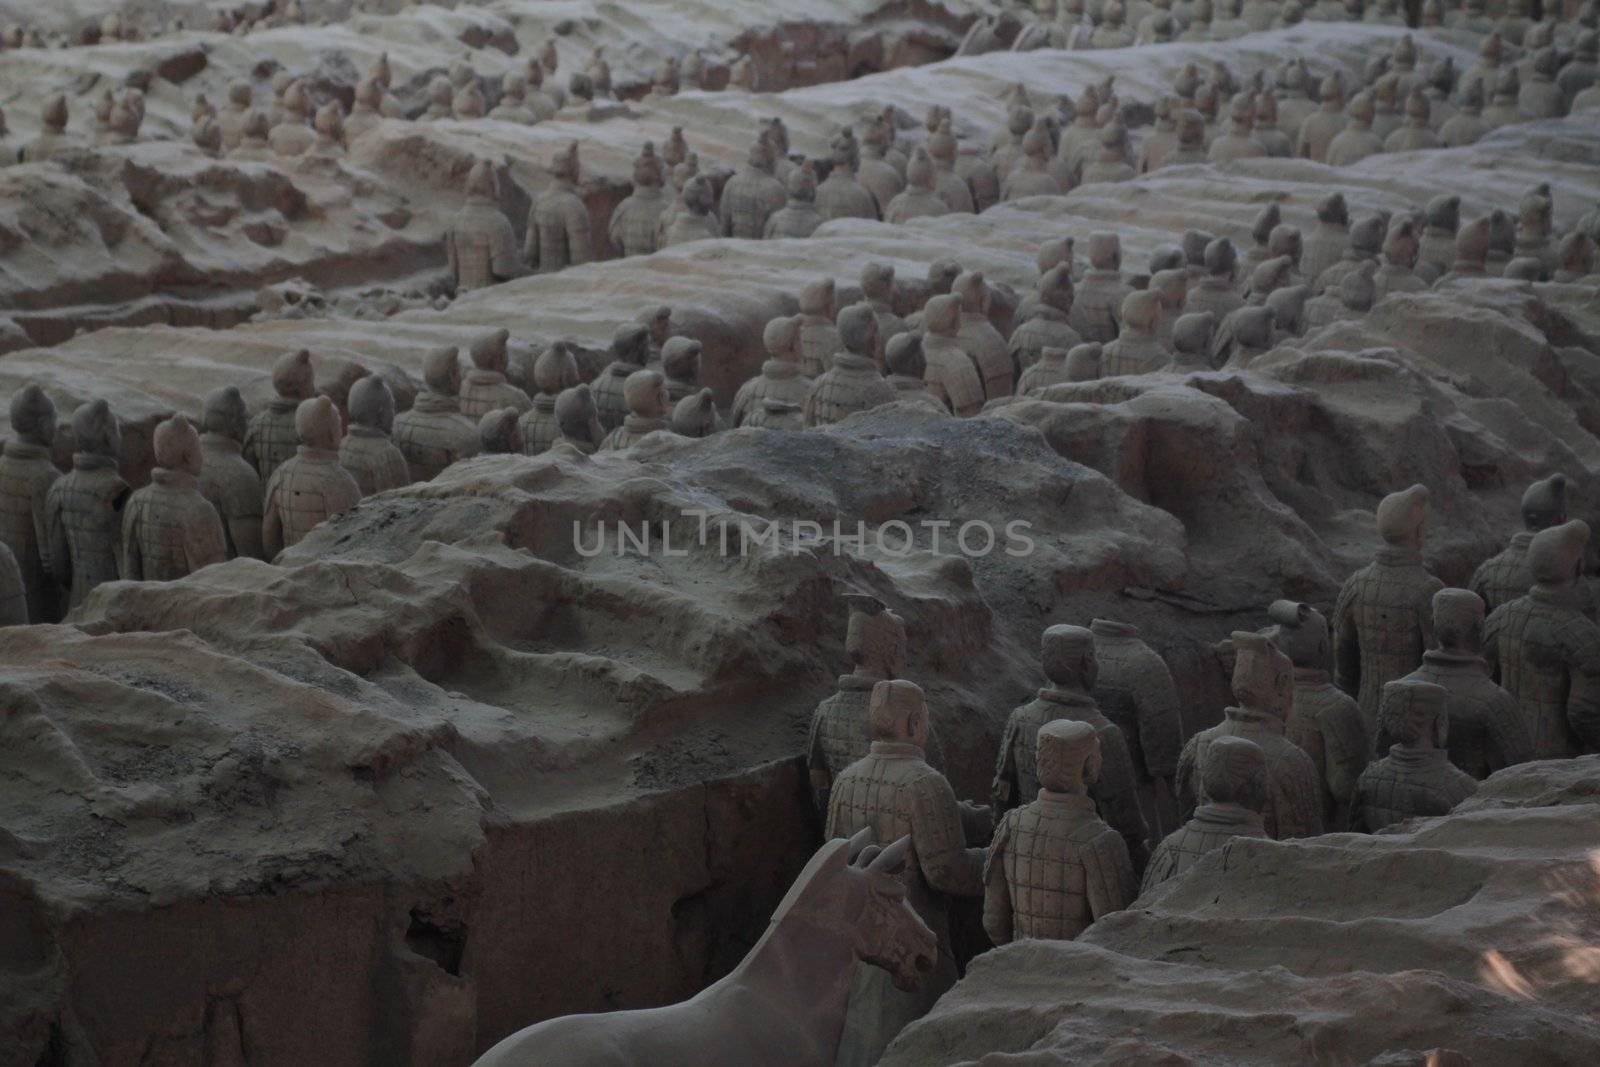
1099 299
1047 328
839 734
558 230
1504 577
271 439
170 530
1294 791
1211 827
1546 654
26 475
1116 791
1406 784
483 391
778 380
1136 692
433 435
234 488
1063 867
841 196
852 384
13 597
303 492
482 249
636 222
1380 626
1486 729
83 520
538 426
373 460
748 199
1327 726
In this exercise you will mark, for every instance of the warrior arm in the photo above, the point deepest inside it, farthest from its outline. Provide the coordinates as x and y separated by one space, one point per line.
1108 876
1004 789
1186 782
1583 696
997 914
204 541
938 834
1346 643
130 558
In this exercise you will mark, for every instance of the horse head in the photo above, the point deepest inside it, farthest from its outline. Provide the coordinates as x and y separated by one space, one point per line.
889 932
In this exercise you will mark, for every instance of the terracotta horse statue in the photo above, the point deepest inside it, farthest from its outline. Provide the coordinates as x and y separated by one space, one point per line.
784 1004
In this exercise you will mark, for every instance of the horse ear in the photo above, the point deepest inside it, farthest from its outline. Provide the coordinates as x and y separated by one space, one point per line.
868 854
859 841
892 860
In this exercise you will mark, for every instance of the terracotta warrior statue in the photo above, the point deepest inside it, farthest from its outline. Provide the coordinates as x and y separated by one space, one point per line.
227 479
1215 291
1382 622
1071 670
1415 778
1545 651
691 218
952 374
83 509
1324 723
819 339
366 451
311 486
26 475
753 193
1504 577
1099 299
630 352
1364 246
786 1001
878 291
1237 789
481 248
1319 129
485 389
894 791
555 370
233 115
1137 349
170 530
979 338
906 368
1263 685
1045 323
645 393
880 175
841 195
875 642
434 434
636 222
1135 690
271 438
853 383
1328 240
577 421
1487 732
780 378
799 217
919 197
558 231
1054 867
1400 250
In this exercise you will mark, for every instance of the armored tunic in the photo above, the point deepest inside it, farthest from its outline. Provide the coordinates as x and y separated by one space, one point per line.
1214 294
1324 246
1098 304
852 384
272 438
636 223
1211 827
483 391
779 380
1407 783
1134 353
748 199
13 597
169 530
373 460
634 428
234 489
1504 577
538 426
914 202
303 492
558 233
26 475
1053 869
433 435
1116 790
990 355
1382 623
1546 654
1327 726
609 403
1046 328
841 196
480 246
1294 807
951 375
83 525
1487 732
797 218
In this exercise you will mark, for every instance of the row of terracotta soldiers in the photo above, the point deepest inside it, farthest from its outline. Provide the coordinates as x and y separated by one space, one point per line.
1394 713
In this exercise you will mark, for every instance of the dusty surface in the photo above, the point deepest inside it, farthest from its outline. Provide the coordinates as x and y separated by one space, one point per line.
1475 931
512 780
